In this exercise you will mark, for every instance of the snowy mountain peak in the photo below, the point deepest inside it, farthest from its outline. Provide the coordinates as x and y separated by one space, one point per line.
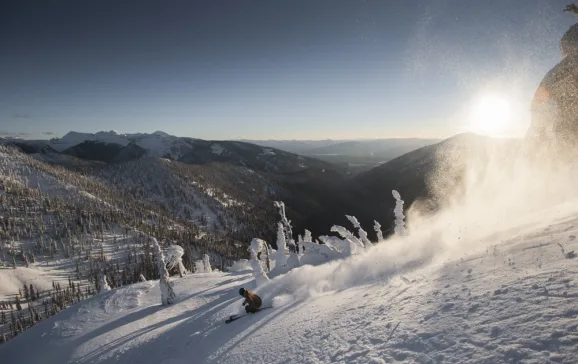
156 144
74 138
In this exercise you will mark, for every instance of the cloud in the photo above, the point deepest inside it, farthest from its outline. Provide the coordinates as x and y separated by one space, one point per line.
52 133
18 115
9 134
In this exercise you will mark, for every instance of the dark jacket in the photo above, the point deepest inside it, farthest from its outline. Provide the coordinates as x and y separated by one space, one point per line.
252 299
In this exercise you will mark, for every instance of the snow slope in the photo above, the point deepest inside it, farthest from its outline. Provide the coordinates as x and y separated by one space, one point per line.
115 247
509 297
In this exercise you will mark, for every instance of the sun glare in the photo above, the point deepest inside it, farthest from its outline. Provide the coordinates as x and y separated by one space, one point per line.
490 115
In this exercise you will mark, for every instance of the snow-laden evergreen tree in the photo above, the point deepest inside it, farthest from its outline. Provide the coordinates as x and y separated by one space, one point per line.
199 266
175 259
207 263
293 260
286 223
315 253
258 271
280 256
351 244
307 236
362 233
377 228
399 216
103 283
167 293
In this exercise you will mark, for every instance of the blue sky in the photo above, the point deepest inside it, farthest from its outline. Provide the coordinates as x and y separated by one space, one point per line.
311 69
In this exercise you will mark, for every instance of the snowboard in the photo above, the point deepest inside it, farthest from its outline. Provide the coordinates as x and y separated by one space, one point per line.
236 317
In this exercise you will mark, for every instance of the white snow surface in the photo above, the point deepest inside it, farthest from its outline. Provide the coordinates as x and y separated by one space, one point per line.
492 277
11 280
511 297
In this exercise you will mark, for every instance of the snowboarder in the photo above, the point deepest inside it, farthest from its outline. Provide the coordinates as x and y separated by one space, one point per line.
554 109
252 302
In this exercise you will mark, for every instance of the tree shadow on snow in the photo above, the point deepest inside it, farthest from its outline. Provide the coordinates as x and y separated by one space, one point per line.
188 316
202 336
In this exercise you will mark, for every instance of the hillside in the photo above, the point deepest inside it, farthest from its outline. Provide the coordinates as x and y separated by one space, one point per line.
353 156
316 196
73 224
497 298
65 223
426 178
483 271
227 187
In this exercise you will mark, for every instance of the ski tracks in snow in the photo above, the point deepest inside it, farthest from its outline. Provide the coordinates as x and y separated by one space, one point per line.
515 303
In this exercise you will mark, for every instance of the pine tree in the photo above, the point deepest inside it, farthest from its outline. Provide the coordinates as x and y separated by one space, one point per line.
26 292
18 306
32 293
32 317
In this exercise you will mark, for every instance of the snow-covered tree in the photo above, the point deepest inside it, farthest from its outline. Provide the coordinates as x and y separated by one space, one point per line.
279 256
142 278
103 283
286 223
399 216
199 266
307 237
377 228
293 261
175 259
362 233
350 243
207 264
258 271
167 293
319 253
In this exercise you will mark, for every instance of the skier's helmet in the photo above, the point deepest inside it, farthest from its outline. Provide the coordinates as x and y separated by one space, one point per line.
242 291
569 41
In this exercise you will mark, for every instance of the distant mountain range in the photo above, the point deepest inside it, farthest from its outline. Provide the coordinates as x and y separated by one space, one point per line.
349 156
244 179
342 146
113 147
354 156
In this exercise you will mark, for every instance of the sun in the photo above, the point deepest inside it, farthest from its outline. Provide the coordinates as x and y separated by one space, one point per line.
490 115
